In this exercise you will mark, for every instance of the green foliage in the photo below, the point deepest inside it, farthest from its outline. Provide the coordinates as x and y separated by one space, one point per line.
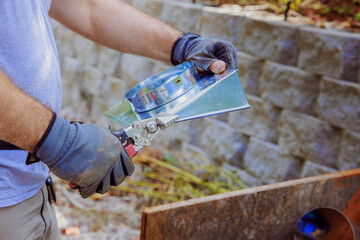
343 12
357 16
161 181
325 10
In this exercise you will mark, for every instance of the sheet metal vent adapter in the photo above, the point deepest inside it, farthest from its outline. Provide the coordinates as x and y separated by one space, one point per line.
181 91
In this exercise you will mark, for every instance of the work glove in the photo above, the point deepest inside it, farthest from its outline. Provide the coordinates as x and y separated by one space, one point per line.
203 51
87 155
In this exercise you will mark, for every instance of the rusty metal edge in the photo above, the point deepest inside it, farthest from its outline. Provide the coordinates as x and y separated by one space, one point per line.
352 210
143 225
252 190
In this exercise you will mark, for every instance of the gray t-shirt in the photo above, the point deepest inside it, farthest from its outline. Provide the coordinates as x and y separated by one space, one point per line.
29 57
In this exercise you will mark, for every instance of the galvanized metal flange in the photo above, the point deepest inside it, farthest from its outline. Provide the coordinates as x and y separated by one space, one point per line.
181 91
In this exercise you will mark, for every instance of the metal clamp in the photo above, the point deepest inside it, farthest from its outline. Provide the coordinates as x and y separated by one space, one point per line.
141 133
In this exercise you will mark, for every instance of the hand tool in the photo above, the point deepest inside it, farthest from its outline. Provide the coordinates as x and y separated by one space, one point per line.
140 134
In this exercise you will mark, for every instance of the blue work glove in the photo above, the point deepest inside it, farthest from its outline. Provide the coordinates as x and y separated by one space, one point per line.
203 51
87 155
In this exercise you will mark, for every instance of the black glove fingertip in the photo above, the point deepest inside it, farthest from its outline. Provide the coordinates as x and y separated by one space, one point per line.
104 185
117 177
226 53
222 52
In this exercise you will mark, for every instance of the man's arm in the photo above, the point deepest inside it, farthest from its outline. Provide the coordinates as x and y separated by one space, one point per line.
121 27
117 25
23 120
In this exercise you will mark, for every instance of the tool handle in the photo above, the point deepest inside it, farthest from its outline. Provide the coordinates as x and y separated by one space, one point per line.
73 186
130 149
121 135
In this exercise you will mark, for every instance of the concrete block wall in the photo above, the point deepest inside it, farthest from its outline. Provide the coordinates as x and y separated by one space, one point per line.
303 84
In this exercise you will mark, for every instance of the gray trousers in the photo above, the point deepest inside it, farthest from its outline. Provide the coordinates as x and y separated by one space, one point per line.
31 219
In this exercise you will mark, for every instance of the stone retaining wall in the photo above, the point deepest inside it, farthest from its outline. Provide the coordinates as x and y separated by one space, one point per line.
303 84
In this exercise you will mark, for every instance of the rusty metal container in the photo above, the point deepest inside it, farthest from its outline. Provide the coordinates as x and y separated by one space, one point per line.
264 212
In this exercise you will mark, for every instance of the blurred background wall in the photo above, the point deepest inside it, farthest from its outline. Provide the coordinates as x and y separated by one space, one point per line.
302 82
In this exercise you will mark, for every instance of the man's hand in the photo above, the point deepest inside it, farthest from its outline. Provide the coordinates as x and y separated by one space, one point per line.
85 154
207 53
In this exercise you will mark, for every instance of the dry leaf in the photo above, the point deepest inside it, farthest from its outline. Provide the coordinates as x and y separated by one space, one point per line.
97 197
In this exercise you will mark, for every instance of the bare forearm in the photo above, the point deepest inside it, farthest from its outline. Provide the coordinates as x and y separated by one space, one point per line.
117 25
23 120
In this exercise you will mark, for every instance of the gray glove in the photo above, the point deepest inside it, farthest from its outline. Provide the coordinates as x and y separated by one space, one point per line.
87 155
203 51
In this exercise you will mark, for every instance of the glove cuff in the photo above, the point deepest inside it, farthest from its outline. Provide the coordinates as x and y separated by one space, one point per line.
32 157
55 142
179 47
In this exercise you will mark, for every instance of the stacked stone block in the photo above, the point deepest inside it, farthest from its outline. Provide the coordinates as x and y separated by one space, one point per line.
303 84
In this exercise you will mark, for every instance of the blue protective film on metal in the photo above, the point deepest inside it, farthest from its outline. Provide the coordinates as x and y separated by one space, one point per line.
182 91
162 88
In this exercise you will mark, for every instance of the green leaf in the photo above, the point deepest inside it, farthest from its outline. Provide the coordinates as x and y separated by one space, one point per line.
357 16
346 10
168 159
325 10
